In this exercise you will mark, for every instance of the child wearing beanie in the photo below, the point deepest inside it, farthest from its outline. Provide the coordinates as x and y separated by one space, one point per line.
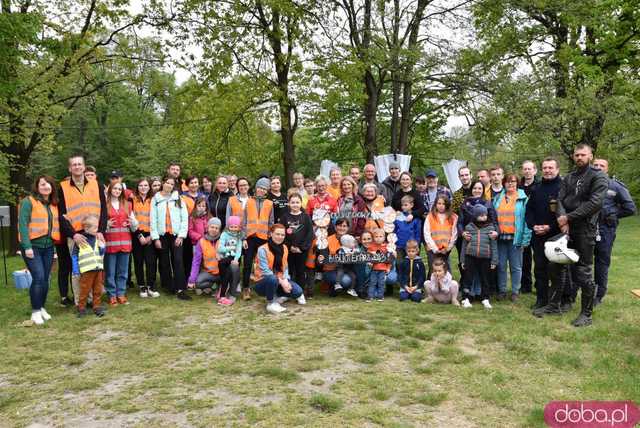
479 254
229 252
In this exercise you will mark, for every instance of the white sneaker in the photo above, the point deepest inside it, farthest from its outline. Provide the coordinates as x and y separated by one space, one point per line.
486 304
352 292
275 308
301 300
45 315
282 299
144 293
466 303
153 293
337 287
36 317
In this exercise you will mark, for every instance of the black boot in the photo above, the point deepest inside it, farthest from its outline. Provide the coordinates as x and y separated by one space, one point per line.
583 320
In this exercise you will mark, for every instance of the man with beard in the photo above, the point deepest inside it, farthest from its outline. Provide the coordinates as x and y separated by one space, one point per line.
580 200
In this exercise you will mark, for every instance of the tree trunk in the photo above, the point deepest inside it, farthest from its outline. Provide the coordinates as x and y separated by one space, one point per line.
395 78
370 117
287 132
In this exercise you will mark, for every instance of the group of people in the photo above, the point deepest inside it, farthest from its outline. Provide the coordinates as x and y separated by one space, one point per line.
357 236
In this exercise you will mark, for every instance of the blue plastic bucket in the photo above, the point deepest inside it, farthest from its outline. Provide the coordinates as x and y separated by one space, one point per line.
22 279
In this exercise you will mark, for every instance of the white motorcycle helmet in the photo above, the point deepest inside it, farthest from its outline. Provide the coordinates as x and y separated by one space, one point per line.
557 251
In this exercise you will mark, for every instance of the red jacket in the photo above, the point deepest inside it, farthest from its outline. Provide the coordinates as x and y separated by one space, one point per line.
118 236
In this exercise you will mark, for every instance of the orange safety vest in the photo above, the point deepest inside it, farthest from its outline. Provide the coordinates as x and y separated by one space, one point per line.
142 211
507 216
310 263
236 208
209 257
257 272
258 223
39 222
79 204
334 246
190 202
441 232
377 207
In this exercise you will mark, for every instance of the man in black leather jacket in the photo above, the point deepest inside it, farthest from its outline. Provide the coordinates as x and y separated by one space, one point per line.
580 200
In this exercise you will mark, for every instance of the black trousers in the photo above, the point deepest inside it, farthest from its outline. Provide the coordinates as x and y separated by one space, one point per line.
187 256
566 281
526 282
64 268
460 269
582 271
172 275
542 269
230 277
483 268
297 269
144 263
253 242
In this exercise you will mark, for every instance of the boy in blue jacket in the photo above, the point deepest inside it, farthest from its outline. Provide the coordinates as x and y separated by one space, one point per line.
407 226
411 273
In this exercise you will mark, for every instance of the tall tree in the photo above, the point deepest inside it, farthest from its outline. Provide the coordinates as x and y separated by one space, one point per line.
261 39
46 49
575 55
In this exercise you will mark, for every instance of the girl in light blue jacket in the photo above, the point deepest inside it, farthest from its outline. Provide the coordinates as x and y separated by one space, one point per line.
169 226
513 234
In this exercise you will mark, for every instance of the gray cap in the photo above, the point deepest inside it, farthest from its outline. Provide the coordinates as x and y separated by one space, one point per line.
264 182
214 221
394 164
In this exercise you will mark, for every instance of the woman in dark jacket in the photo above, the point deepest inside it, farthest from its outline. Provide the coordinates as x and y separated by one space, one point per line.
218 200
407 189
465 215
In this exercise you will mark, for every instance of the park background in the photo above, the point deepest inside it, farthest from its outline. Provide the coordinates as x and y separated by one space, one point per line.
246 86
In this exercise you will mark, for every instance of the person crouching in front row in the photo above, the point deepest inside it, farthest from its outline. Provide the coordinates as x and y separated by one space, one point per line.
441 288
272 273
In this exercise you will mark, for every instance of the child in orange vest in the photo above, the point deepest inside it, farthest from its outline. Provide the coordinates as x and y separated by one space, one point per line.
379 271
205 255
440 231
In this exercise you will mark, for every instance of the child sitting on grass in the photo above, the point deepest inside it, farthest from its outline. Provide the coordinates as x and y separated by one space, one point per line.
441 288
411 273
87 260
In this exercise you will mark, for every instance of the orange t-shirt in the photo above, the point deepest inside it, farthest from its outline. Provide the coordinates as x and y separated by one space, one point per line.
167 222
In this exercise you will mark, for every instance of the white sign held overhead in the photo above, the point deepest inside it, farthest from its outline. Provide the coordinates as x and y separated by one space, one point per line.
382 164
451 172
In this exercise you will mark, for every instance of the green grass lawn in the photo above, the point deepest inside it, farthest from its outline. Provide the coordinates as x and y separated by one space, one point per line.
335 362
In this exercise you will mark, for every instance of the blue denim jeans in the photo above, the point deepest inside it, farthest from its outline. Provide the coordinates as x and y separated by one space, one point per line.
507 252
330 277
415 296
40 268
376 284
116 273
269 287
